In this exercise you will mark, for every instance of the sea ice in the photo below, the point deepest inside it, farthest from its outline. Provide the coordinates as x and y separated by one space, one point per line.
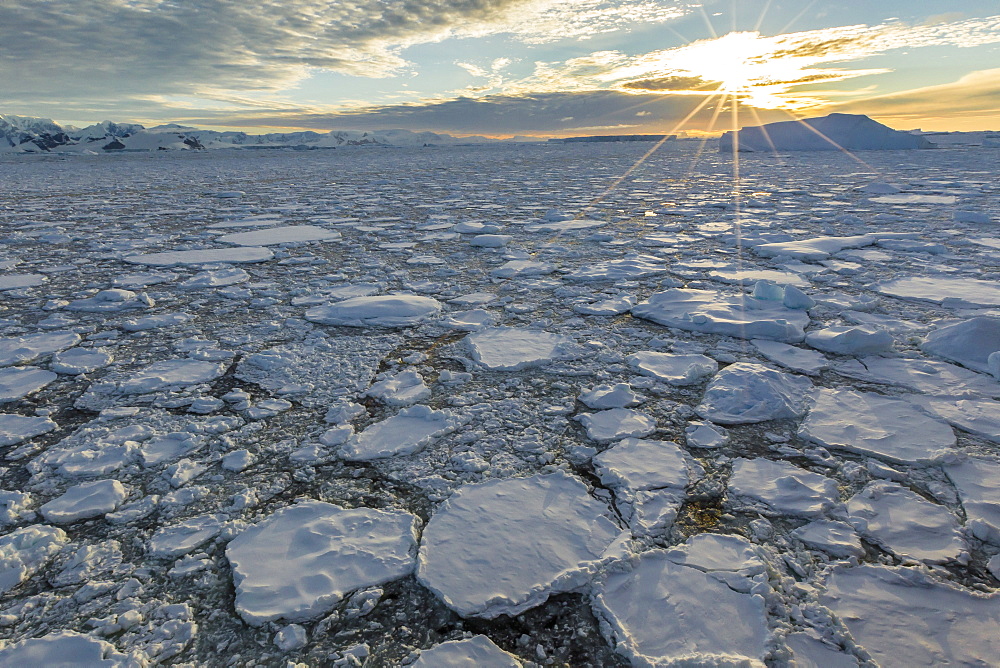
405 388
23 551
504 546
607 396
903 522
474 652
235 255
906 617
627 268
62 649
705 435
301 561
718 552
78 361
969 342
809 651
837 539
408 431
85 501
943 290
714 312
871 424
662 613
920 375
673 369
110 301
279 235
797 359
616 424
376 311
513 349
975 478
171 373
19 281
746 393
821 248
843 340
980 417
783 488
215 278
522 268
22 349
18 382
176 540
17 428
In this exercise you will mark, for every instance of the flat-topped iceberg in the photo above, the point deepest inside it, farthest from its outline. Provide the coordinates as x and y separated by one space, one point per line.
836 132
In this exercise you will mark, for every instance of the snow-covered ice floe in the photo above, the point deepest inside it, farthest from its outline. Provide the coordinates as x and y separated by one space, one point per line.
746 393
376 311
514 349
179 258
405 433
477 651
781 488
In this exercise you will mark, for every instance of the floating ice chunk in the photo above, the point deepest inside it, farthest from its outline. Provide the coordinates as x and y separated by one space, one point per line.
21 349
504 546
975 217
799 360
976 416
613 306
713 312
19 281
155 322
78 361
18 382
607 396
168 447
649 479
880 188
905 523
705 435
773 277
279 235
111 300
618 270
809 651
821 248
673 369
376 311
301 561
238 255
61 649
403 389
15 507
407 432
565 226
616 424
969 342
171 373
472 227
745 393
469 320
718 552
975 478
523 268
662 613
943 290
237 460
23 551
268 408
474 652
920 375
513 349
834 132
490 240
906 617
835 538
290 638
142 280
783 488
179 539
85 501
850 340
17 428
216 278
872 424
183 472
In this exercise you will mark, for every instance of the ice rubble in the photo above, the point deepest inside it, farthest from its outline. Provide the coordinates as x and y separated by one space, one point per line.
514 349
301 561
872 424
714 312
745 393
834 132
906 617
504 546
25 550
782 488
474 652
376 311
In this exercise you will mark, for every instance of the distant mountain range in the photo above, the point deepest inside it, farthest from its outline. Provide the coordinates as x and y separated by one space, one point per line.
22 134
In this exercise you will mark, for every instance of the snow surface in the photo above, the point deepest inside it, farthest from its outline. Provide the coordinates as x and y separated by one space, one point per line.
512 349
473 652
376 311
782 488
84 501
745 393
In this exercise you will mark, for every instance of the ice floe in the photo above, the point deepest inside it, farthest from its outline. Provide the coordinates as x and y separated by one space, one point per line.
23 349
171 373
513 349
280 235
407 432
846 340
63 648
474 652
23 551
376 311
85 501
672 368
78 361
17 428
20 281
504 546
975 479
800 360
607 396
178 258
745 393
616 424
403 389
18 382
945 290
782 488
837 539
969 342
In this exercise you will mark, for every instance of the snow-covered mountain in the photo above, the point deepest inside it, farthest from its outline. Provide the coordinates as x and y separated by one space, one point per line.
21 134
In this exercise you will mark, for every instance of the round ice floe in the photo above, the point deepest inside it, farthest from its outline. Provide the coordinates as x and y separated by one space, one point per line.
512 349
872 424
616 424
905 523
18 382
238 255
663 613
407 432
474 652
280 235
376 311
970 342
63 649
21 349
607 396
17 428
85 501
76 361
504 546
490 240
784 489
835 538
299 562
469 321
907 617
23 551
850 340
673 369
171 373
521 268
403 389
745 393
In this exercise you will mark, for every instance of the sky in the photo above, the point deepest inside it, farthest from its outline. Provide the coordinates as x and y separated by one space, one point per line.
501 67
